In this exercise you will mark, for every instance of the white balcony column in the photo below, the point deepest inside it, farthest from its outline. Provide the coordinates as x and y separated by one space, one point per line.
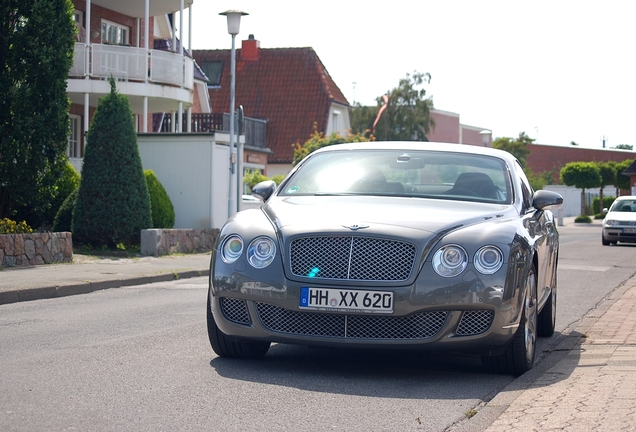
190 28
87 113
138 32
146 43
180 117
145 114
181 26
87 39
189 119
173 123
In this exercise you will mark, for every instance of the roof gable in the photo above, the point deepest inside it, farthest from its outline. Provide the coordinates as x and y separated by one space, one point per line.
289 87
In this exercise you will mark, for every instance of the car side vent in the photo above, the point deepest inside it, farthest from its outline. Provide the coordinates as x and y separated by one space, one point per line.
474 322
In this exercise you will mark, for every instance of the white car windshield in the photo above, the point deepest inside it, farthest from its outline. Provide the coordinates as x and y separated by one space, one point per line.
425 174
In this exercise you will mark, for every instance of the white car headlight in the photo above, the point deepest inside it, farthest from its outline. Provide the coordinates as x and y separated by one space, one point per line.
231 248
450 260
611 222
261 252
488 259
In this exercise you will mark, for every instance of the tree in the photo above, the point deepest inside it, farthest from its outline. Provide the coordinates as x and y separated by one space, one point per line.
581 175
162 210
608 176
407 116
113 204
36 53
518 147
622 181
624 147
318 140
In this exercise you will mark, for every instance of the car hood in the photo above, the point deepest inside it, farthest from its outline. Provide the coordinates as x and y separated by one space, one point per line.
621 216
397 216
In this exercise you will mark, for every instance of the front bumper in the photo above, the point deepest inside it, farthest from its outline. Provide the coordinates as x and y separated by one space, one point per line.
615 234
471 315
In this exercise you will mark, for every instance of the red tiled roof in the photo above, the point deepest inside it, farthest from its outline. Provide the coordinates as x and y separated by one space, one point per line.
289 87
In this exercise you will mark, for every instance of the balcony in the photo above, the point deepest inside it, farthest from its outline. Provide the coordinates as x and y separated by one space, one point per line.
132 64
253 129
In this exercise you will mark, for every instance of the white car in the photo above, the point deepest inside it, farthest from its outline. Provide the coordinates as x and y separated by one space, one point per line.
620 221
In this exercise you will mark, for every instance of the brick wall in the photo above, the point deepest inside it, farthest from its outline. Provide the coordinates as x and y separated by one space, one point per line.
553 158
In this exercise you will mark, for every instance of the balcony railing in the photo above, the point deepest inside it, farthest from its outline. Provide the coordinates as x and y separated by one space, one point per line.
253 129
132 63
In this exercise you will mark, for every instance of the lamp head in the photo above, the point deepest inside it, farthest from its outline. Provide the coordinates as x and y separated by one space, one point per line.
233 20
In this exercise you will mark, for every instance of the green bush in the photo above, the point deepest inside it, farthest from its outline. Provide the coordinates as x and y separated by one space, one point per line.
160 203
8 226
607 203
113 204
64 217
64 186
583 219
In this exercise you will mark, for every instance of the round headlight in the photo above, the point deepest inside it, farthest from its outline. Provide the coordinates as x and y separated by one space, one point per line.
488 259
261 252
231 249
450 261
611 222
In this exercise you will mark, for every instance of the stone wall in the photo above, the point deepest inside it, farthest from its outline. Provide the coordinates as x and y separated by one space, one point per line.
36 248
157 242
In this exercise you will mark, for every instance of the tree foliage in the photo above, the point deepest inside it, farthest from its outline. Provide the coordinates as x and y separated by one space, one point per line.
582 175
318 140
518 147
623 147
36 53
407 116
622 181
162 210
113 204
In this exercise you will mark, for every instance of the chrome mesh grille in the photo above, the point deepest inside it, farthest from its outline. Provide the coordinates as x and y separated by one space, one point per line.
352 258
235 310
417 326
474 322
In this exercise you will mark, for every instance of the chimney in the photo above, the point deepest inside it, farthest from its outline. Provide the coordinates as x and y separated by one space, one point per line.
250 49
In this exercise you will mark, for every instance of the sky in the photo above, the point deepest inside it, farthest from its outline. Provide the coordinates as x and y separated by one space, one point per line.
558 70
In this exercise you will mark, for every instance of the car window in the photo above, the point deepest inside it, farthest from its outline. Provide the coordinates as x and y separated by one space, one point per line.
420 174
624 206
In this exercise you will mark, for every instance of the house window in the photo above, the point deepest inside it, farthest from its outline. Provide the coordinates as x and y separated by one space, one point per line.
78 17
74 140
213 70
114 34
335 121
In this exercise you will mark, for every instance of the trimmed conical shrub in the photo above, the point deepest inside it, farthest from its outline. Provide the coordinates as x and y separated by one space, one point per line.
162 208
113 205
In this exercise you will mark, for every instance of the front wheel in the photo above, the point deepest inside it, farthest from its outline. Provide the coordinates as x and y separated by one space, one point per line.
605 242
518 358
225 346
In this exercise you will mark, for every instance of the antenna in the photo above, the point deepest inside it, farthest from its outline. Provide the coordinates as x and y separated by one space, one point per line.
604 139
354 91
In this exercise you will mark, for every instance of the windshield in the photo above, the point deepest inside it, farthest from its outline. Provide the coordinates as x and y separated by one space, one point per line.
624 206
426 174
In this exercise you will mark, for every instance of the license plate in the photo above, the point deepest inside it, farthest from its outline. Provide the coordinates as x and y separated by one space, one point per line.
335 299
629 230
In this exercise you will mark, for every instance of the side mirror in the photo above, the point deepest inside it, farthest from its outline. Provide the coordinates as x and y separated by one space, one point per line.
545 199
605 210
264 189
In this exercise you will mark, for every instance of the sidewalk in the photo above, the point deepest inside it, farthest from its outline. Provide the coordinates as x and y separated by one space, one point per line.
86 274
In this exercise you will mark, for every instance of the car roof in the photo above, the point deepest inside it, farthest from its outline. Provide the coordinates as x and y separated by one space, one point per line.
421 145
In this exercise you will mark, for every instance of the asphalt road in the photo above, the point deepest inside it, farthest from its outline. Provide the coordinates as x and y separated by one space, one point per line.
137 358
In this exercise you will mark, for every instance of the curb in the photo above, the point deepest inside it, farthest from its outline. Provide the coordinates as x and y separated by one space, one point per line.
15 296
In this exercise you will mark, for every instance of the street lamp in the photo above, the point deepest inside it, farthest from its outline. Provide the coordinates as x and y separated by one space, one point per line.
233 26
485 137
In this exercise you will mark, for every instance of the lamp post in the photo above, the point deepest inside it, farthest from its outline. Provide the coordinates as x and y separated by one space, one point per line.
233 26
485 137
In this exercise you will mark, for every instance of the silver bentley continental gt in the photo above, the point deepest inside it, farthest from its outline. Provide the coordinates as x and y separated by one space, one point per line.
391 245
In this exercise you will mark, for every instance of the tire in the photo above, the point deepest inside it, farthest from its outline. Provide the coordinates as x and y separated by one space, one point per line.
518 358
225 346
605 242
546 320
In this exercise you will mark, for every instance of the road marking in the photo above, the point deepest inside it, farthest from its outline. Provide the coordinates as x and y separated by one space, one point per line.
583 268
